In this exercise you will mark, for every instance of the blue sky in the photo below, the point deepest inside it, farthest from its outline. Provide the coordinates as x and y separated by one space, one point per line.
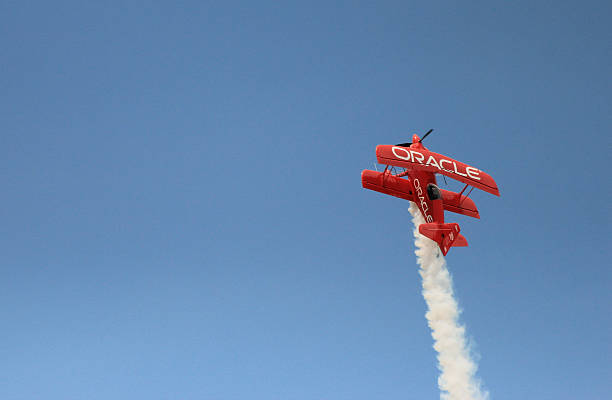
183 215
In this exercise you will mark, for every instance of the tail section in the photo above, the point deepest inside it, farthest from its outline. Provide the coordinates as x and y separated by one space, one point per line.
446 235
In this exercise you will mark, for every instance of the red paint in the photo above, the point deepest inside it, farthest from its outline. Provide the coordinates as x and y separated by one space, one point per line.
421 166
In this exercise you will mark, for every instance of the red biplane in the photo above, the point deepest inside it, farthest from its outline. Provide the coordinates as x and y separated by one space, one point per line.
420 168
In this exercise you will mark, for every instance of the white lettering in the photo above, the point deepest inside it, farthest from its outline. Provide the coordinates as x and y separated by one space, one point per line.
423 203
442 161
457 172
417 156
473 173
432 161
403 157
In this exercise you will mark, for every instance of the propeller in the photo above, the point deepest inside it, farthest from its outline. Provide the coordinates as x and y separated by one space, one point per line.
425 135
408 144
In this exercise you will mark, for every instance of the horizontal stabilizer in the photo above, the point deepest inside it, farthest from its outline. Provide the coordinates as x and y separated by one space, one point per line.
443 234
461 241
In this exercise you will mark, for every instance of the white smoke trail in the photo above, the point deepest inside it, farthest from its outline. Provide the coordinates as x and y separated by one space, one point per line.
457 369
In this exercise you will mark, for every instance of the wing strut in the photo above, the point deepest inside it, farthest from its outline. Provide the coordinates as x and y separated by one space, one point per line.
467 195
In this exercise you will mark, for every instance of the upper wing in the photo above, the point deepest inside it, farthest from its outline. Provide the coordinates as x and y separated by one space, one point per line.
426 160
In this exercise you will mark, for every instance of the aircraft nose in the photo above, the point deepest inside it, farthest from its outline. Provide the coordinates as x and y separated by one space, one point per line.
416 138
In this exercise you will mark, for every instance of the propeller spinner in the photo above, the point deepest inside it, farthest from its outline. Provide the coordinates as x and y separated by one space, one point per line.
408 144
